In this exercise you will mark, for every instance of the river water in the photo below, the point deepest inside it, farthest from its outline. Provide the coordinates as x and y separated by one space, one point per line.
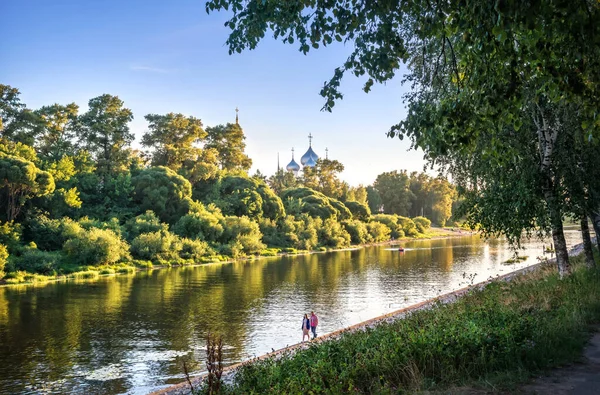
130 333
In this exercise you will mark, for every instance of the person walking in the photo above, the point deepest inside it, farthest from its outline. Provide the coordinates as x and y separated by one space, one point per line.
314 321
305 327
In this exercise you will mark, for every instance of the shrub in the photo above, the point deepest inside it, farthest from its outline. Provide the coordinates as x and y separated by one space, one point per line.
332 234
3 259
201 223
144 223
378 231
422 224
306 229
112 224
391 221
96 247
193 250
358 231
50 234
358 210
241 236
308 201
33 260
10 234
408 226
163 191
161 246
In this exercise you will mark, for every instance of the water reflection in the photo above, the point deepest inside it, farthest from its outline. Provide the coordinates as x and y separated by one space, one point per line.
125 334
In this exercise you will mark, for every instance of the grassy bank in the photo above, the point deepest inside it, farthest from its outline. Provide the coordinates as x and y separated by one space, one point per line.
492 338
89 272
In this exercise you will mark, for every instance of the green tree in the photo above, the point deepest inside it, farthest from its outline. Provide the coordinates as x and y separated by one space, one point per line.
393 189
374 200
20 179
55 129
17 123
547 50
228 141
105 133
324 178
173 139
163 191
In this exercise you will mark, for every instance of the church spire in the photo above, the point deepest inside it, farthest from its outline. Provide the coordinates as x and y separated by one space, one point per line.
278 162
326 153
310 137
236 116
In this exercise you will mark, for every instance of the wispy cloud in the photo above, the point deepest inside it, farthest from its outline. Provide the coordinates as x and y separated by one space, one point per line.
150 69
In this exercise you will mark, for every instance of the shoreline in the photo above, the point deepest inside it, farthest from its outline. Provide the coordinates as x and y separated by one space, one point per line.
45 280
450 297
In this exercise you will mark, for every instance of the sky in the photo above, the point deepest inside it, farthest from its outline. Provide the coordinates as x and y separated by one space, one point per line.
170 56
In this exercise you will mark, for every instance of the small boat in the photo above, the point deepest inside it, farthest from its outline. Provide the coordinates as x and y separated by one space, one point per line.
401 249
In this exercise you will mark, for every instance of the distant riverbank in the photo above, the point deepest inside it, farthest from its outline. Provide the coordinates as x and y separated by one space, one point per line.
495 336
91 273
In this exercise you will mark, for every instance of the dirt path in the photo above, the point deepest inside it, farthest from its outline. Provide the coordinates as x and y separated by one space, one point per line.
579 379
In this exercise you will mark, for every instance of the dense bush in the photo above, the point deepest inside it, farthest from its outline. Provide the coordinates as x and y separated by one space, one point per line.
408 226
343 212
391 221
163 191
3 259
306 230
241 236
244 196
332 234
111 224
193 250
96 247
10 235
33 260
144 223
358 231
359 211
422 224
309 201
161 246
50 234
202 223
378 231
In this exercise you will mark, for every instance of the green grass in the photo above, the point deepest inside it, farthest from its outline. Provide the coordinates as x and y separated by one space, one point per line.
492 338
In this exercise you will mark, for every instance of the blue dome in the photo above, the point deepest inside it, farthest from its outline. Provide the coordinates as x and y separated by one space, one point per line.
310 154
292 166
310 162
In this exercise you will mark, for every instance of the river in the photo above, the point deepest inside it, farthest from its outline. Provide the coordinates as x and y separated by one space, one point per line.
129 333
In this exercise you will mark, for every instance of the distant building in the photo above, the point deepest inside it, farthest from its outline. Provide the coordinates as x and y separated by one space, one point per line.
309 159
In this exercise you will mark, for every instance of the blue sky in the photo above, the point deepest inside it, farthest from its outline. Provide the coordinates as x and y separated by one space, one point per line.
170 56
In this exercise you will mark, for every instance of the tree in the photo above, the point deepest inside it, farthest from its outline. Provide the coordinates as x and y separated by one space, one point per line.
173 138
546 54
374 200
20 179
228 141
55 128
393 190
245 196
105 133
163 191
324 178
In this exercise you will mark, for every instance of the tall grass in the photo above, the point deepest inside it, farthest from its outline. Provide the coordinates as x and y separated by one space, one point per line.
493 338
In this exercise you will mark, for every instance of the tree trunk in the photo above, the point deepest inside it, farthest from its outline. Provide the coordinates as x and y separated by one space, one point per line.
587 243
595 217
558 236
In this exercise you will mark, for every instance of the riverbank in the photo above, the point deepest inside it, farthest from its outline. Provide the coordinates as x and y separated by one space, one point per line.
92 273
494 336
